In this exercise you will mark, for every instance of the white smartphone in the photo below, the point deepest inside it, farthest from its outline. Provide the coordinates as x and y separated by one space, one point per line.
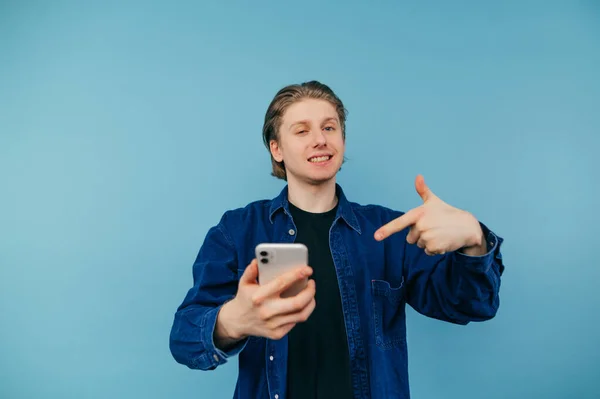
276 259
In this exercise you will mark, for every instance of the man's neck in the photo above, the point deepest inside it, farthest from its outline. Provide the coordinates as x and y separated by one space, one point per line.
313 198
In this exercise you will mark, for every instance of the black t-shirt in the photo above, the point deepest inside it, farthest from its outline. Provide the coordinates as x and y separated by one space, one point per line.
318 359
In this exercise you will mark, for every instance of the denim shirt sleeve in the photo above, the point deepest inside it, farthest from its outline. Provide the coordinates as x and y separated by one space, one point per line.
455 287
215 282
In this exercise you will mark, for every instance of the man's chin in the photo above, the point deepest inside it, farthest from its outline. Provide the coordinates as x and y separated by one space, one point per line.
314 179
320 180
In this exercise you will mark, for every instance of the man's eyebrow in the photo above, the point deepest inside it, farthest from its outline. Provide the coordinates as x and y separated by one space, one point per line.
330 119
306 122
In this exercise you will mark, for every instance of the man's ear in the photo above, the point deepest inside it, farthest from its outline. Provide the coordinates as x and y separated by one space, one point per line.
276 150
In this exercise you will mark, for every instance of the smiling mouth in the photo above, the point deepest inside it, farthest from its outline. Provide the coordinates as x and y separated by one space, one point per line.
322 158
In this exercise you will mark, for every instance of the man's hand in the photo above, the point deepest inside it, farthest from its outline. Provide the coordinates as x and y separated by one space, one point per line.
436 226
261 311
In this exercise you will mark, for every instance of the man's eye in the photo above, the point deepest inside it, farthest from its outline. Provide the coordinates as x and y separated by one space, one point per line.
329 128
301 132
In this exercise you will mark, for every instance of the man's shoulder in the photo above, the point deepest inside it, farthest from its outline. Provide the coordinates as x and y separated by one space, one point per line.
244 214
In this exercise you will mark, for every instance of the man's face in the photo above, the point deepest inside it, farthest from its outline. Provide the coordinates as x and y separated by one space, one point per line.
310 142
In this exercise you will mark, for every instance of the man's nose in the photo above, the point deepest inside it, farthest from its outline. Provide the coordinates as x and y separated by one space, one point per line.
319 138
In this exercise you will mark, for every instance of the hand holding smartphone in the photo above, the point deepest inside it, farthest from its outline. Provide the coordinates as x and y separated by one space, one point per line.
283 297
276 259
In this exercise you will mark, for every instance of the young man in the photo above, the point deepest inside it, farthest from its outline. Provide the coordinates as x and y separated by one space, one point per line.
344 335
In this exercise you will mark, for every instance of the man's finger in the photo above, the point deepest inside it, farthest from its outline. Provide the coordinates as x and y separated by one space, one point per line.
297 317
283 331
281 283
250 274
426 239
413 235
399 224
423 190
293 304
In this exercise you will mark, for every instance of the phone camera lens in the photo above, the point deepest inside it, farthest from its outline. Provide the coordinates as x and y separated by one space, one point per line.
263 253
264 260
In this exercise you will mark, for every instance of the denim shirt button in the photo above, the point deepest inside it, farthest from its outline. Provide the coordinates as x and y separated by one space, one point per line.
216 357
291 232
276 396
271 358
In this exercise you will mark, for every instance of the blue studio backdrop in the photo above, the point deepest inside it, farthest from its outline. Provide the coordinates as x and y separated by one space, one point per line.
128 128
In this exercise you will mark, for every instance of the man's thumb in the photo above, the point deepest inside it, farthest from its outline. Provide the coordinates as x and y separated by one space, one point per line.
251 273
422 189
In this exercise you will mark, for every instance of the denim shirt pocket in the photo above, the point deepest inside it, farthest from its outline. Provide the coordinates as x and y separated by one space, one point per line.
388 314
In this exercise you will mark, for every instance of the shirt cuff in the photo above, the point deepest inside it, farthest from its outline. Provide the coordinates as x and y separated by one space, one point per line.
213 355
481 263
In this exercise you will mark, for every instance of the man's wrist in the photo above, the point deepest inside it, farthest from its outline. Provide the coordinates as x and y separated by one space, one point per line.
227 328
478 245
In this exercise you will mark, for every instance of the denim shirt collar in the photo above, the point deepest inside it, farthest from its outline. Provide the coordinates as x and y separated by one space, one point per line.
344 210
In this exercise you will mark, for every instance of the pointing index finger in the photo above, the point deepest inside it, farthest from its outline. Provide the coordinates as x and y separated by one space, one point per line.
408 219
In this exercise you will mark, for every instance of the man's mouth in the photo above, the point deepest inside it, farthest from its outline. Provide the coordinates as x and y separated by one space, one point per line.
320 158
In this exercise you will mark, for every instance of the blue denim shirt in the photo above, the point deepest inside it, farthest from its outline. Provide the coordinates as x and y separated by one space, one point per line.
376 280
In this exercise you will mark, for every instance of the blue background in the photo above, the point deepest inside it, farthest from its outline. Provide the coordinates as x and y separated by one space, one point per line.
127 129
